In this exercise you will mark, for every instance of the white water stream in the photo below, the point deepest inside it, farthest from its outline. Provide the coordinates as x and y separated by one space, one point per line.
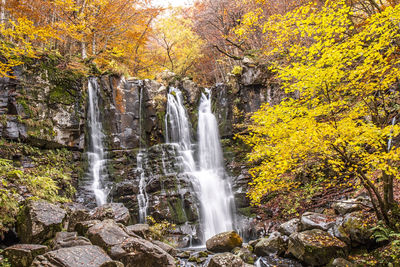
96 154
210 182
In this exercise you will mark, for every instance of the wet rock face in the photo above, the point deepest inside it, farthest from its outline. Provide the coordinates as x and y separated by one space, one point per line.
133 109
31 98
169 190
224 242
40 221
88 256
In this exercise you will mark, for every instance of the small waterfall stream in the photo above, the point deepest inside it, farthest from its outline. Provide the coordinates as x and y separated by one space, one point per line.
142 196
209 177
96 153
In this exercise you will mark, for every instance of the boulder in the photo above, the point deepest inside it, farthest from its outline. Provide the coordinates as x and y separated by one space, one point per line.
312 220
275 244
226 259
137 252
39 221
22 255
245 253
354 227
167 248
346 206
69 239
107 234
340 262
277 261
85 256
315 247
83 227
116 211
76 213
224 242
141 230
289 227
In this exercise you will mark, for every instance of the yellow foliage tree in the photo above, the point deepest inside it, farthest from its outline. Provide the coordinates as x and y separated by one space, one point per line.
17 41
177 46
344 82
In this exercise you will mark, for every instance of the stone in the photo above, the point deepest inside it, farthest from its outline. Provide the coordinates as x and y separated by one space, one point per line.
107 234
83 227
85 256
312 220
76 213
226 259
245 253
39 221
347 206
224 242
315 247
340 262
353 226
167 248
137 252
277 261
289 227
139 229
69 239
115 211
275 244
22 255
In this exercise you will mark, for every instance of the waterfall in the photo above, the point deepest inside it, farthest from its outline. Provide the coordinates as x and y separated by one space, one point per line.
96 153
212 189
215 192
143 201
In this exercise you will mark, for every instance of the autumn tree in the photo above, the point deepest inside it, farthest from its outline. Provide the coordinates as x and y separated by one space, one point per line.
176 45
110 33
342 119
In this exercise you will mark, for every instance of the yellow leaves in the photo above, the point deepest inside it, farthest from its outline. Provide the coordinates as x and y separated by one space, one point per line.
337 118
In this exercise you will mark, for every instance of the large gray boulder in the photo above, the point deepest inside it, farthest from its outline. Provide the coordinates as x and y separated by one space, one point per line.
346 206
106 234
82 256
137 252
225 260
355 228
315 247
116 211
275 244
22 255
289 227
224 242
39 221
312 220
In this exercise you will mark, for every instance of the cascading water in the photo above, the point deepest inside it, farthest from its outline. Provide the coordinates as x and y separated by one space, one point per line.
178 128
212 189
96 153
215 192
142 196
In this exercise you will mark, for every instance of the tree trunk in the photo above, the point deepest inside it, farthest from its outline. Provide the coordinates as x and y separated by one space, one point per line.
83 49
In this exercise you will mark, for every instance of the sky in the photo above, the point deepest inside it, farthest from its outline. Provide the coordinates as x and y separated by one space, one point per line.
166 3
